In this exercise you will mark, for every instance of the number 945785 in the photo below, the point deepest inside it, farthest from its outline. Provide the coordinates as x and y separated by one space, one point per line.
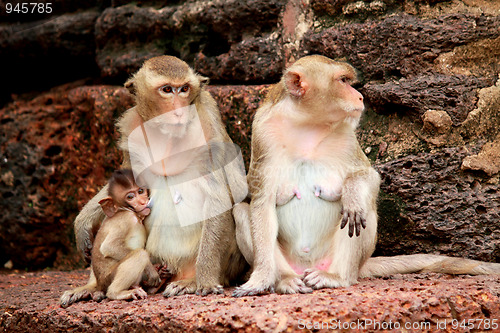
28 8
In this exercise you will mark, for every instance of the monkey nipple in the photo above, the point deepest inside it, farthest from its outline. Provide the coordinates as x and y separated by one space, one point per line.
296 192
306 249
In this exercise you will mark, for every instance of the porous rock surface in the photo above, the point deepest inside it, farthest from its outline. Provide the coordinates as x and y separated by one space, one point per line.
420 302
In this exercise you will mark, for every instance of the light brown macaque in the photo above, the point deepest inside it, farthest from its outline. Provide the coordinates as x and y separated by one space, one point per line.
119 261
312 219
174 140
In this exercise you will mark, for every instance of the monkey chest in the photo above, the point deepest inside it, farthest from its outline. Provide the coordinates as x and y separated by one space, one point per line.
308 205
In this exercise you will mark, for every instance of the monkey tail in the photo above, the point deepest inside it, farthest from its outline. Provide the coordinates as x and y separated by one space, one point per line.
416 263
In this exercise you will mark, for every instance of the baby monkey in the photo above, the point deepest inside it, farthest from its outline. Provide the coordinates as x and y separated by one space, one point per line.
119 261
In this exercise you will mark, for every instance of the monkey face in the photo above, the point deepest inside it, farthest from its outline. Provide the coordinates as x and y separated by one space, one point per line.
137 198
323 89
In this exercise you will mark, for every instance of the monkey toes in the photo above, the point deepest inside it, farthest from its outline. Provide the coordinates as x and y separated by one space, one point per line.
182 287
318 279
292 285
204 291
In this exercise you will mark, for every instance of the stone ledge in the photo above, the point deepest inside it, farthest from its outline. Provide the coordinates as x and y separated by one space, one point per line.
29 302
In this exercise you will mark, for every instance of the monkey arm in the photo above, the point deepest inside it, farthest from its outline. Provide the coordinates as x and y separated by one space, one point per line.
359 196
88 222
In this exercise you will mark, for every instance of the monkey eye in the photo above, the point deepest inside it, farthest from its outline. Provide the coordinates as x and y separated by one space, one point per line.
166 89
185 88
130 196
141 191
345 79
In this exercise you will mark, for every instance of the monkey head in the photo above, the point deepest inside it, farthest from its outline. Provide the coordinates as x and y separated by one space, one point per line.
124 193
165 89
322 90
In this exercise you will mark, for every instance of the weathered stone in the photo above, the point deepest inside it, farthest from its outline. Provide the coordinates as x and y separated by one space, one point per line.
488 160
55 153
416 303
41 54
428 204
457 95
400 45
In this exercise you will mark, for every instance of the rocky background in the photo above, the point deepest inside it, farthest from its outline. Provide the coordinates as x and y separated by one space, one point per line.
430 75
429 71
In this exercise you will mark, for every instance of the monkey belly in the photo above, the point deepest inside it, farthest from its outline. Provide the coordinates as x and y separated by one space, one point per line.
169 241
306 229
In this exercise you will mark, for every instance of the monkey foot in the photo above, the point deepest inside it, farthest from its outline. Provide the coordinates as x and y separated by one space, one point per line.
69 297
98 296
180 287
249 289
218 289
318 279
292 285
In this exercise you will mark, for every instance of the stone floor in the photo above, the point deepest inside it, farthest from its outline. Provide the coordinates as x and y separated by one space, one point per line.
414 302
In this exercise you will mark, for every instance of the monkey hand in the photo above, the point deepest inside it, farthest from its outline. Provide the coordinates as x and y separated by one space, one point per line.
181 287
318 279
164 272
356 219
292 285
255 286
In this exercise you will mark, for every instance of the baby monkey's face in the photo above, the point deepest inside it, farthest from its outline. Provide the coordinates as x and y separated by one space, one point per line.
138 198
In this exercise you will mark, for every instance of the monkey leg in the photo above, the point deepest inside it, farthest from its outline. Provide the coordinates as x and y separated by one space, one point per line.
348 255
71 296
129 272
241 214
288 282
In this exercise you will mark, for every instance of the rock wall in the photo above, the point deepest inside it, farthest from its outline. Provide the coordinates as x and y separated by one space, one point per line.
429 71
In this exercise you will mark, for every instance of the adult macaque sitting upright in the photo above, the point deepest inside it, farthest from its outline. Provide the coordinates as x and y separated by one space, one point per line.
309 179
174 139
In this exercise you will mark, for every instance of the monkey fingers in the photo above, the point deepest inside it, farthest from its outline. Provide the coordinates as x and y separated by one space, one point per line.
87 250
356 221
292 285
318 279
98 296
204 291
138 293
182 287
249 289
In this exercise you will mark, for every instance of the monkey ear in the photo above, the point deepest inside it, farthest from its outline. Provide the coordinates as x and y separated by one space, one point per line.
296 84
203 81
130 85
108 206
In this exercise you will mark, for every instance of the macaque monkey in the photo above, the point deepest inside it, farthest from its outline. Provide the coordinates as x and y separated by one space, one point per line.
119 261
174 139
312 219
